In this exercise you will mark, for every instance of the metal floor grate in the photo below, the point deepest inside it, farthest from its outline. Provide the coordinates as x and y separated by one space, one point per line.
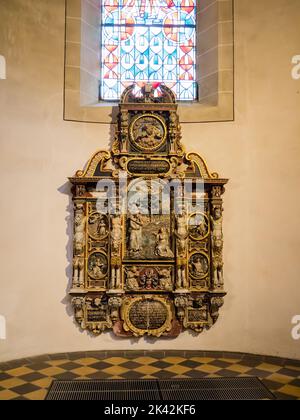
160 390
101 390
214 389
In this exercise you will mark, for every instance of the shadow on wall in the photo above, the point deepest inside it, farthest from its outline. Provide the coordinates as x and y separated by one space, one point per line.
66 189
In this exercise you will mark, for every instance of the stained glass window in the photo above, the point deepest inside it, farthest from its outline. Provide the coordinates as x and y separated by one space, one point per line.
148 41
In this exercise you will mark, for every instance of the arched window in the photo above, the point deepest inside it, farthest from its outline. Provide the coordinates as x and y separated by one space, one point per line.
146 41
189 49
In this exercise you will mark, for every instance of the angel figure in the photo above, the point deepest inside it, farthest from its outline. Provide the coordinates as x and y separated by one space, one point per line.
162 248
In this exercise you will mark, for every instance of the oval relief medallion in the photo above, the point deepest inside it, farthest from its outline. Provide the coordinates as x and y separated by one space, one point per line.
97 265
150 316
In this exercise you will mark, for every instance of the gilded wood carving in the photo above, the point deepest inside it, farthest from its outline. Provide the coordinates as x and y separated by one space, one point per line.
148 236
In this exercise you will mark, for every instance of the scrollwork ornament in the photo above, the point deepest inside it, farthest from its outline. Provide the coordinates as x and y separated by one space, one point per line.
182 302
80 190
78 305
215 304
217 191
115 303
115 146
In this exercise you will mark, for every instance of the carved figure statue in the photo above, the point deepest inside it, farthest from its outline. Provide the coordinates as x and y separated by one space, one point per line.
199 227
116 234
78 303
162 248
202 228
181 169
132 278
181 234
80 190
150 136
135 235
78 271
173 119
97 268
79 234
124 128
97 302
149 279
182 302
172 131
199 267
100 223
215 304
217 246
165 281
114 303
217 191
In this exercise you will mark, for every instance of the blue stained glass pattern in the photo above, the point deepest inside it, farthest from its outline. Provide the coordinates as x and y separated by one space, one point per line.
146 41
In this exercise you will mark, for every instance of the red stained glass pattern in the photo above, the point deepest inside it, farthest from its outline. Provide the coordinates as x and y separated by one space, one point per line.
148 41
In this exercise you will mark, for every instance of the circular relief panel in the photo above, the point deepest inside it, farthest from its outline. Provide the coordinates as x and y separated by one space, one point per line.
98 226
199 265
148 132
97 265
150 316
198 226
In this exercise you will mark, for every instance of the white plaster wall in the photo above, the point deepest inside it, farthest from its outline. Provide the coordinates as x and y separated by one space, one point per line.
259 152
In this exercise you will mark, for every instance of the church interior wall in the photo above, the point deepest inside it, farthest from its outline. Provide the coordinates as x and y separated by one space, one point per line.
259 152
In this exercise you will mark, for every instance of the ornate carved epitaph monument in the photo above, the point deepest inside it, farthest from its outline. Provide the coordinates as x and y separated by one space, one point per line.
148 238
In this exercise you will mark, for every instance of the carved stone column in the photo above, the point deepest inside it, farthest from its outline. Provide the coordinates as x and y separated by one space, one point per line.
78 305
215 304
115 302
79 244
217 236
182 301
116 252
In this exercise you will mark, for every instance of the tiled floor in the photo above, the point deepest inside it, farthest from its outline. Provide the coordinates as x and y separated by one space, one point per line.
31 378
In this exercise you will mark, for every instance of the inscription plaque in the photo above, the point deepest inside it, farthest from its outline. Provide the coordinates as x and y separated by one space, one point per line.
197 315
151 315
96 315
148 314
148 167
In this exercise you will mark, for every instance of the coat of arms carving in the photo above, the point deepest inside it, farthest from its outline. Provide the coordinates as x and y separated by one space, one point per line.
148 237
